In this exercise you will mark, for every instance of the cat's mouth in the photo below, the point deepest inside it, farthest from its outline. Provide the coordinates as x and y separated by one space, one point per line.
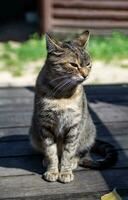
79 79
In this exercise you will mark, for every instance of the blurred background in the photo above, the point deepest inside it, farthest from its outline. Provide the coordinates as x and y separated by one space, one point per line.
23 25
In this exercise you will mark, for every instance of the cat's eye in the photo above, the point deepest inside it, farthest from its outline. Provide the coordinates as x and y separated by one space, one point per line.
88 65
74 64
58 53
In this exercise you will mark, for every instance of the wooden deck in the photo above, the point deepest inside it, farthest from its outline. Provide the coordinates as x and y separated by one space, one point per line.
20 165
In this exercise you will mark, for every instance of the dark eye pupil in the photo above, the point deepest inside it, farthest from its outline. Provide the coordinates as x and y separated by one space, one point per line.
74 64
88 63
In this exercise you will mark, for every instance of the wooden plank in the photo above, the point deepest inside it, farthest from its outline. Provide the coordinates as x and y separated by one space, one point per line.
16 108
18 166
15 119
32 164
119 141
24 165
65 31
28 92
14 134
84 184
107 89
100 114
116 134
92 4
110 105
16 101
19 103
114 113
6 102
77 13
68 197
112 129
122 160
89 23
45 11
116 99
91 196
97 102
16 92
18 146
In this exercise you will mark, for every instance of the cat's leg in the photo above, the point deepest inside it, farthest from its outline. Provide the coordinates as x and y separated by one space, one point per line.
50 151
35 140
68 155
74 162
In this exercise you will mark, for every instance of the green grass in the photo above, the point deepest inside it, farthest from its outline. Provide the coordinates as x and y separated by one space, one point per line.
110 48
14 57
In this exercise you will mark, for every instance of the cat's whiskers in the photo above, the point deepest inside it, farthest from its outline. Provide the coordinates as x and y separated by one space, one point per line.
59 78
66 86
61 86
56 87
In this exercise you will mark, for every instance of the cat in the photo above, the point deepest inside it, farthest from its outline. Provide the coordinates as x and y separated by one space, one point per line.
62 128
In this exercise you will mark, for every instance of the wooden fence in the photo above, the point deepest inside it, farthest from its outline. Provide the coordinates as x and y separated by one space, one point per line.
100 16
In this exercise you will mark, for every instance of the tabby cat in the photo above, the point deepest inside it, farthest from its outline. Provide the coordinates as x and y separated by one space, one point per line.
62 128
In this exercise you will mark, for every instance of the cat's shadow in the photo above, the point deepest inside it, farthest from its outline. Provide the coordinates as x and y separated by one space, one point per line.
17 152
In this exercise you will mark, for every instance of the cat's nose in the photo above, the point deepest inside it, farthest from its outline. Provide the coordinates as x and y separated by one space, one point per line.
83 72
84 76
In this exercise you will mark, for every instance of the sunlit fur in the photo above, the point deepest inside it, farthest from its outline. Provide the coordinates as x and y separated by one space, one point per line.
62 128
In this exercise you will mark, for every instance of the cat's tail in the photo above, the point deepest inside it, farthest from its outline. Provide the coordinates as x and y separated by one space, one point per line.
104 149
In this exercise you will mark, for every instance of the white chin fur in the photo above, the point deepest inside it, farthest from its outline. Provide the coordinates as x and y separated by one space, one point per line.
84 82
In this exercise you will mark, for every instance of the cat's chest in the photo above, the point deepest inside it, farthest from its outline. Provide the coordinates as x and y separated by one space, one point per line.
64 113
64 104
65 109
66 119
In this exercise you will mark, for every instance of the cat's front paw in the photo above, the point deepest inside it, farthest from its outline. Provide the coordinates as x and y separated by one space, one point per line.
66 176
51 176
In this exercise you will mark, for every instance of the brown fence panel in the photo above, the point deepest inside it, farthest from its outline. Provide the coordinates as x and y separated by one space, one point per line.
100 16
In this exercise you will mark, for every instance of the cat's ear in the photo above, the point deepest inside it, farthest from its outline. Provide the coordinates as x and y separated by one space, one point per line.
52 45
82 39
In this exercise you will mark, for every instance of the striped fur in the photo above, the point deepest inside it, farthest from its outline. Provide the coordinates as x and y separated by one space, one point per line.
62 128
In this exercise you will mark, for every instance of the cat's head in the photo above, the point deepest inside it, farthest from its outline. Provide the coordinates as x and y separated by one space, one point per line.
69 60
